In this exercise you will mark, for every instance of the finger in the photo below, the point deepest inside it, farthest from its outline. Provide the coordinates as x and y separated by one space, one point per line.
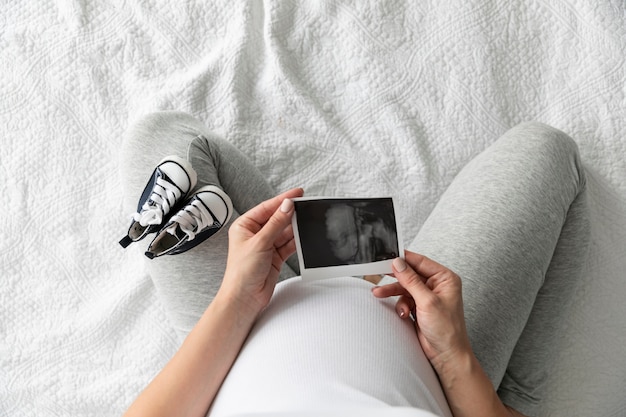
264 211
286 250
404 306
276 224
422 264
410 280
284 237
389 290
277 261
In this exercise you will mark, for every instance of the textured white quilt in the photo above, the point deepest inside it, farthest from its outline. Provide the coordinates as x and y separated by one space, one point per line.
345 98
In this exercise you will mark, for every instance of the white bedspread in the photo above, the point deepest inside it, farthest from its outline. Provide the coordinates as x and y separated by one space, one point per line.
353 98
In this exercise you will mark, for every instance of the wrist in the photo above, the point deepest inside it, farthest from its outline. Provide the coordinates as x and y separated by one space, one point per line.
467 388
237 303
456 368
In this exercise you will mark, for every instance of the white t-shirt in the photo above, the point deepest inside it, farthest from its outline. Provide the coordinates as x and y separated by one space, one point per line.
330 348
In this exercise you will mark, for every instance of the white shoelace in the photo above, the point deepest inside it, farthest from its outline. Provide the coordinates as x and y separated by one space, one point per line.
161 201
193 219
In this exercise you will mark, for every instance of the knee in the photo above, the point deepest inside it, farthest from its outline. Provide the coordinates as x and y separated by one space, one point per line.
543 139
549 146
169 130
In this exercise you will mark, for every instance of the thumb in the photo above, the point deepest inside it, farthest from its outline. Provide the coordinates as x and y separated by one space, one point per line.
410 280
276 223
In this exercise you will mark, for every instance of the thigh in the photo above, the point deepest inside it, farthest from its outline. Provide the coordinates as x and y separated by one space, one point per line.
541 341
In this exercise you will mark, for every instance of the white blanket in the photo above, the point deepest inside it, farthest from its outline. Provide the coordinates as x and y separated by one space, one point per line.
350 98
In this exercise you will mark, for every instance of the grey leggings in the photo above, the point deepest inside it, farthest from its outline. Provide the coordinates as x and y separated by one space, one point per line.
513 224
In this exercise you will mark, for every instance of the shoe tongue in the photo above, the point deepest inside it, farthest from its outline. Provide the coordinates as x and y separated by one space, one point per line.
151 216
175 230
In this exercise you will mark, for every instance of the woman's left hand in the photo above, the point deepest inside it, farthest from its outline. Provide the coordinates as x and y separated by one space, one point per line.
432 293
260 241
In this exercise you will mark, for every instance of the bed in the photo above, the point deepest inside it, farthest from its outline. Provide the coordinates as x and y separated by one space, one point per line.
343 98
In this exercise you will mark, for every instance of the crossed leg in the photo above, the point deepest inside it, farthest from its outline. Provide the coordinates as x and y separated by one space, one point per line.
187 282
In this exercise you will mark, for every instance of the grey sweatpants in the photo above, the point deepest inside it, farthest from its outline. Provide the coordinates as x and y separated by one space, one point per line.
513 224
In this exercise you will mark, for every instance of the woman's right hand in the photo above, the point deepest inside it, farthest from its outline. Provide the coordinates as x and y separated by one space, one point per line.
260 241
432 293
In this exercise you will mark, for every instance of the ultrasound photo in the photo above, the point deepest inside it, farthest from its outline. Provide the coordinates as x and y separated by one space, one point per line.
338 236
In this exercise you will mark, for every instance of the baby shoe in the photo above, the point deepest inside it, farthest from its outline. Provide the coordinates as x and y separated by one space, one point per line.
203 215
163 195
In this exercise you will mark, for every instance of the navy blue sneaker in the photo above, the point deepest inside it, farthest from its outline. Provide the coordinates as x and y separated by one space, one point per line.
203 215
166 191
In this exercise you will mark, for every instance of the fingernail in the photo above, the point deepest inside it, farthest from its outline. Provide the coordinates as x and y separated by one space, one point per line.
402 313
399 264
286 205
